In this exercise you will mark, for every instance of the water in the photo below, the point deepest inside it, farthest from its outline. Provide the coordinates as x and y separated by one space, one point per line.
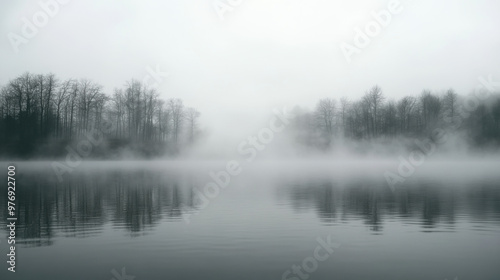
148 219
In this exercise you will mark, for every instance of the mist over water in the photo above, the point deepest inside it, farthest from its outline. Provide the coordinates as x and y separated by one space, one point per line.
155 214
385 192
232 139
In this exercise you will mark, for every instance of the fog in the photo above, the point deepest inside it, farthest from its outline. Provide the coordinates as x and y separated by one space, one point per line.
262 55
250 139
296 139
238 64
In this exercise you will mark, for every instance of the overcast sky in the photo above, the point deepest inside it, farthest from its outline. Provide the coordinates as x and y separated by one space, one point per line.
264 54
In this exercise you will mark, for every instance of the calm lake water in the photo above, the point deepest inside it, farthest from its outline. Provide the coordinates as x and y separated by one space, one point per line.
147 220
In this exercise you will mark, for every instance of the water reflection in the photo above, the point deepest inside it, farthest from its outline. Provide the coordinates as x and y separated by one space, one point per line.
81 205
431 204
137 201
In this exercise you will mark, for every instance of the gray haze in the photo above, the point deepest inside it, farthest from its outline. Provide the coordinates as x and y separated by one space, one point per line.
263 55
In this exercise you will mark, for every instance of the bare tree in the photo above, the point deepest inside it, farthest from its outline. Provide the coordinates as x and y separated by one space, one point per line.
60 97
177 110
390 124
450 102
35 107
325 114
431 108
192 116
72 107
405 109
344 108
374 98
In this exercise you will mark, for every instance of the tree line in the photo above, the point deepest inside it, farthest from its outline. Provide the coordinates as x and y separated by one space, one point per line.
374 117
40 112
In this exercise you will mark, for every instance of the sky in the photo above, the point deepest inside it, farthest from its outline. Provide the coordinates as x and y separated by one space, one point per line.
238 62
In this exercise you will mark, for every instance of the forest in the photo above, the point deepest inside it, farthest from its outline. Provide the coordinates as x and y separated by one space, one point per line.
40 115
373 117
